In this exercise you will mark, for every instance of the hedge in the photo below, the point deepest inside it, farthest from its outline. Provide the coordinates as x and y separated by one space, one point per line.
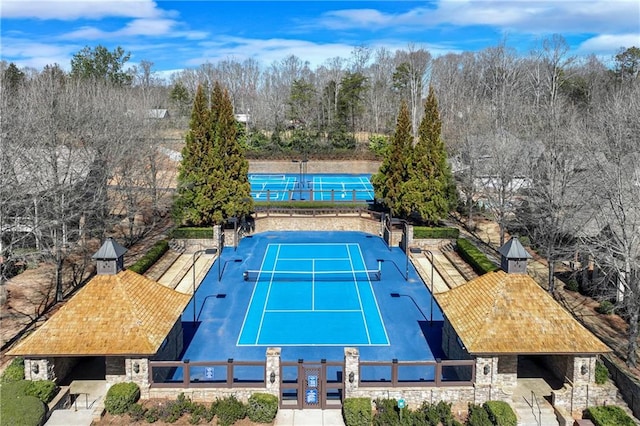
262 407
150 257
193 233
435 233
120 397
19 409
357 411
478 260
609 415
478 416
500 413
229 410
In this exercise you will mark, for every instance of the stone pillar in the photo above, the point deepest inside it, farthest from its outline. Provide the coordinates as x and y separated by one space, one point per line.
137 371
409 236
218 237
351 371
583 370
273 370
39 369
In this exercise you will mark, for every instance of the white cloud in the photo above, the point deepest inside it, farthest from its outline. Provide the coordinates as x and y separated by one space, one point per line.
35 54
68 10
533 17
608 43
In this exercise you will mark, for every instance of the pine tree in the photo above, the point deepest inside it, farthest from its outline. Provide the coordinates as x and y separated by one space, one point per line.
429 190
389 180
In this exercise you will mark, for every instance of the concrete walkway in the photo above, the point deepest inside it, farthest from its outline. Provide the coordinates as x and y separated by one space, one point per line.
309 418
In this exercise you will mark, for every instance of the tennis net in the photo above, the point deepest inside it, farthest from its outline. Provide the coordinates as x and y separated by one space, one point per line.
350 276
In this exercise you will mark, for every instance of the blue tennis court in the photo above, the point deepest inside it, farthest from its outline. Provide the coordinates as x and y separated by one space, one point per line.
305 294
316 187
312 293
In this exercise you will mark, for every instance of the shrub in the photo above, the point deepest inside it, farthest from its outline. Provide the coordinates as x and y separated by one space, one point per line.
14 372
262 407
137 412
609 415
357 411
388 413
440 233
229 410
151 257
474 257
198 412
379 144
602 373
478 416
605 307
120 397
152 415
434 414
17 408
500 413
44 390
572 285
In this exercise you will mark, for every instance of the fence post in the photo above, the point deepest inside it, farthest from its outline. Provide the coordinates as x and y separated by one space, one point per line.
230 372
438 371
186 377
394 372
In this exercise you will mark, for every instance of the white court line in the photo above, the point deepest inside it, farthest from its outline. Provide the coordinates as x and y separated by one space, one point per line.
386 336
246 314
355 283
266 299
306 311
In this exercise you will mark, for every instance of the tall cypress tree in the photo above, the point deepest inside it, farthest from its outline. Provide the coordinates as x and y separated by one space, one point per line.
213 183
388 182
429 190
232 197
192 174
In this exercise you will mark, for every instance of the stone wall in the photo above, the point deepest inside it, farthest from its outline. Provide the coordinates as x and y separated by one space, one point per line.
313 166
329 222
577 398
626 382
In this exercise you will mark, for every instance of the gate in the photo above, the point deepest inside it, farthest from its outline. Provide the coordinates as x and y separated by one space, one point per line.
311 384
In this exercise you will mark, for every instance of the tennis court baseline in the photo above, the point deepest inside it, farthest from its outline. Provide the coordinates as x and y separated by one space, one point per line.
313 295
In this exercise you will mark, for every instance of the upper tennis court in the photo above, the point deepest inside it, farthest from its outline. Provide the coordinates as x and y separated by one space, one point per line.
316 187
312 293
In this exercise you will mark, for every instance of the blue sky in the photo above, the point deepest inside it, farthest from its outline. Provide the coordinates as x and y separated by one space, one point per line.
185 34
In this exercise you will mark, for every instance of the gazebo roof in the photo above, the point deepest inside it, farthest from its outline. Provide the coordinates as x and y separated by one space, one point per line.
110 250
513 249
114 315
500 313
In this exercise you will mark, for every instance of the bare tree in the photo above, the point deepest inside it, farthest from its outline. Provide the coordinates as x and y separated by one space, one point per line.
615 155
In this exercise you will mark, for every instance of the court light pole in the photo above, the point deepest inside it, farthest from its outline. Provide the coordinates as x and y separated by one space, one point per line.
432 270
193 267
413 300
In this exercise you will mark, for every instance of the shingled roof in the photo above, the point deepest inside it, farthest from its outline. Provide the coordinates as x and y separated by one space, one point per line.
500 313
114 315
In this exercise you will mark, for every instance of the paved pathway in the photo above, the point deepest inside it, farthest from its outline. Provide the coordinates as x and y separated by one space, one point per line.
309 418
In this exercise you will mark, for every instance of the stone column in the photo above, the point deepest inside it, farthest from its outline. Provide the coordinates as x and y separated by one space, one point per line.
218 238
137 371
351 372
39 369
273 370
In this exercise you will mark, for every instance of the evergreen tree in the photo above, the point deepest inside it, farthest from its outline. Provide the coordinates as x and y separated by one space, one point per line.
232 196
388 182
213 182
429 190
193 173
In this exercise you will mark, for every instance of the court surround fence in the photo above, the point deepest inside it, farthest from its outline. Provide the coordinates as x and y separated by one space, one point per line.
447 373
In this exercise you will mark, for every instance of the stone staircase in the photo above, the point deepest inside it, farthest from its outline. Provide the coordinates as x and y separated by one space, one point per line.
454 258
534 411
